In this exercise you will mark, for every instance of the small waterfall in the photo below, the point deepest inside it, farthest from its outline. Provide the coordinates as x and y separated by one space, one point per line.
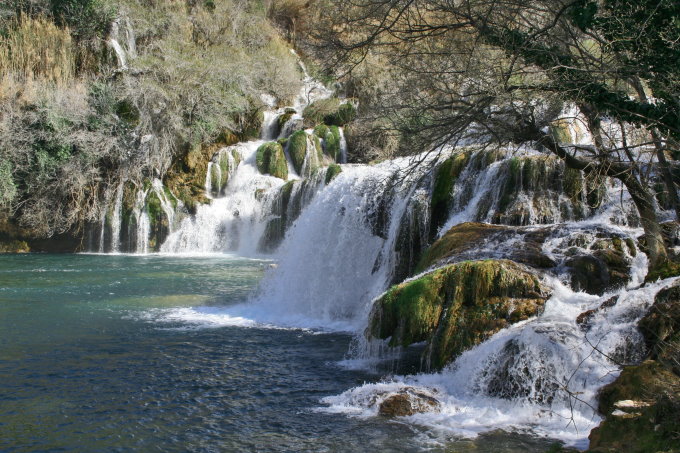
116 220
233 222
343 146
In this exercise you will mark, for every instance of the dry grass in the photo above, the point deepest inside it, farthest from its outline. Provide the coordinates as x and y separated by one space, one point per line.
36 48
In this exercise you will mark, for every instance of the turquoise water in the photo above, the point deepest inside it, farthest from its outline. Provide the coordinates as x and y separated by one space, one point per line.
86 365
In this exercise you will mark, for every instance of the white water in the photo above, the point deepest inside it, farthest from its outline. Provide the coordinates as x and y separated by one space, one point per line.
116 220
339 255
234 222
540 376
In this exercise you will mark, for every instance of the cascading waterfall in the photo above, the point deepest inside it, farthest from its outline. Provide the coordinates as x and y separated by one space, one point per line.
340 243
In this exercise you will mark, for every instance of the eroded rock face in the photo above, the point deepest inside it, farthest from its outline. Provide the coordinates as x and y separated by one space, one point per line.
456 307
408 401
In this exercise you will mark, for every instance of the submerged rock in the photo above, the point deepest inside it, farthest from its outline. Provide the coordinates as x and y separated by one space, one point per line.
408 401
456 307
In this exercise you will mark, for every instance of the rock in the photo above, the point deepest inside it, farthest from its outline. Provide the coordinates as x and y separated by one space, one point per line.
642 409
14 246
661 328
608 267
465 238
456 307
408 401
271 160
332 171
442 191
304 153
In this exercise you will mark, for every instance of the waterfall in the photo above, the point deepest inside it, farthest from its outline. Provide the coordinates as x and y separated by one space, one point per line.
233 222
116 220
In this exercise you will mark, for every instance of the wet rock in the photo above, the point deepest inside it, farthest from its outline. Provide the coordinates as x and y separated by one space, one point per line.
606 268
641 409
466 238
456 307
408 401
271 160
661 328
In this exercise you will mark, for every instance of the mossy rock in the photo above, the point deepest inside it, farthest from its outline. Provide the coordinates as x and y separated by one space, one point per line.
331 112
466 237
271 160
14 246
650 427
442 192
331 140
456 307
332 171
283 119
608 267
661 328
300 150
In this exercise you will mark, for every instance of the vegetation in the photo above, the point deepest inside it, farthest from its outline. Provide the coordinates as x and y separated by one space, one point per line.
271 160
75 122
437 73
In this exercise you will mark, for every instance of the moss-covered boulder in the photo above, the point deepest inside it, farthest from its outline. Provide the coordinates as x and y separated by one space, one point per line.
330 111
465 238
332 171
331 140
456 307
271 160
14 246
642 406
661 328
642 412
305 153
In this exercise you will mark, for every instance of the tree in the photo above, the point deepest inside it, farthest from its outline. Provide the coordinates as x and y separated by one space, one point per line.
502 71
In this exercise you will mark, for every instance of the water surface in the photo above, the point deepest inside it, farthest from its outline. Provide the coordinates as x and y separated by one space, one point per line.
88 363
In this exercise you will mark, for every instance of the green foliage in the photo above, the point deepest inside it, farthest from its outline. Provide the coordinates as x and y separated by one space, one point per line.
87 19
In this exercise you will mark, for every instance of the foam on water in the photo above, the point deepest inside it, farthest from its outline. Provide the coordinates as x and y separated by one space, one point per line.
540 376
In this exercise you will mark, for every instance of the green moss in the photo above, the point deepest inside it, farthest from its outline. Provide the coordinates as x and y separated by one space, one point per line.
665 270
332 171
330 112
271 160
14 246
283 119
456 307
297 149
153 206
457 239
